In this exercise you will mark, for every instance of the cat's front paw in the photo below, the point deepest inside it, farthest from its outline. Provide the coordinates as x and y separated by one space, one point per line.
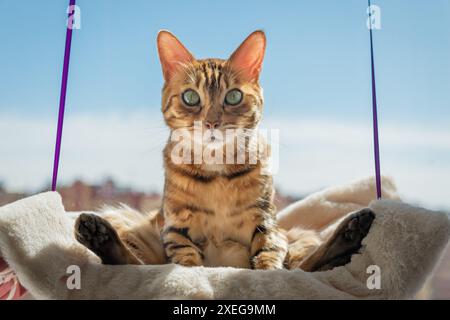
188 260
267 261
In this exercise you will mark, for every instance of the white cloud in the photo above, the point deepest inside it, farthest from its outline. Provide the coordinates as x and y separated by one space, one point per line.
314 153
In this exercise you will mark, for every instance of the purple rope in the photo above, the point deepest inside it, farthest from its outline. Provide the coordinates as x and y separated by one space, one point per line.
62 100
374 113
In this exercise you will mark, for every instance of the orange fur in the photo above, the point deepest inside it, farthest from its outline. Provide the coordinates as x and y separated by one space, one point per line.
213 214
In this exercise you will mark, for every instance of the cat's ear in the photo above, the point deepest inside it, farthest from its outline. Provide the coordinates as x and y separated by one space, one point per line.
248 58
172 53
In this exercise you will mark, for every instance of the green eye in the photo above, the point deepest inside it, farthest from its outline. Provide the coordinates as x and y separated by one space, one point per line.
233 97
191 98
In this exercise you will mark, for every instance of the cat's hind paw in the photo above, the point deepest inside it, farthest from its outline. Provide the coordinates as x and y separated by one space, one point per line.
97 234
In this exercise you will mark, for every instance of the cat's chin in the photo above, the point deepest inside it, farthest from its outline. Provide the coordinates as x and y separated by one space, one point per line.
216 168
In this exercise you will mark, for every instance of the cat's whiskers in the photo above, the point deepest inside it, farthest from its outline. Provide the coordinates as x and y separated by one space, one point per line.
189 71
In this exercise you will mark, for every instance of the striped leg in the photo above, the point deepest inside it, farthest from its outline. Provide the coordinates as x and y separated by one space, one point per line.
180 248
268 248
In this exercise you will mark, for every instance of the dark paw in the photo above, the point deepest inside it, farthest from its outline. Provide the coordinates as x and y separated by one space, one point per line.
347 239
358 226
98 235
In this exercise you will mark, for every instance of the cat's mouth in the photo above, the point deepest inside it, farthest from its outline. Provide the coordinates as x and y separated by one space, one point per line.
216 138
213 135
213 139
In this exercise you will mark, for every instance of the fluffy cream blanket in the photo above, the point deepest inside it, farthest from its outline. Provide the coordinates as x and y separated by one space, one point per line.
400 251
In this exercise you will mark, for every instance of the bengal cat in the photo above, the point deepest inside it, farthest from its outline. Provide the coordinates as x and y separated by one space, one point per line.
218 213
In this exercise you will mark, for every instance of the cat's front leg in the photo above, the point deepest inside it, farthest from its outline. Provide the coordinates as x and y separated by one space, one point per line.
269 247
179 247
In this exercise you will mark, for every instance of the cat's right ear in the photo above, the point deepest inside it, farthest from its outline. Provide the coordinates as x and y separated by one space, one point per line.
172 54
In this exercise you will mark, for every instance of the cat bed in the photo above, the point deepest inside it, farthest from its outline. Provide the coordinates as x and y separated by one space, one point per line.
399 253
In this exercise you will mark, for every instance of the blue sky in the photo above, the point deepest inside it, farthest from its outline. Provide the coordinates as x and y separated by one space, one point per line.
317 59
316 67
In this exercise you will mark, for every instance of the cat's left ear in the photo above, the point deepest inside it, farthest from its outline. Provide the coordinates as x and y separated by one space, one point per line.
248 58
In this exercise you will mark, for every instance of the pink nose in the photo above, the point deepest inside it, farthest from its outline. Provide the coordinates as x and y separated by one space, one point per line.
211 126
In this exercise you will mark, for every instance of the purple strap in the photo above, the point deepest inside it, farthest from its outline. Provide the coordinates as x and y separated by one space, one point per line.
62 99
374 113
62 102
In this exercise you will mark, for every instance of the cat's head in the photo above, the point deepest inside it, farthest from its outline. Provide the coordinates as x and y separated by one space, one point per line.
222 94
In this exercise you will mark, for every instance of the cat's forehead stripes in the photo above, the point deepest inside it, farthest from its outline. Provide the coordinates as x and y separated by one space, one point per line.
209 74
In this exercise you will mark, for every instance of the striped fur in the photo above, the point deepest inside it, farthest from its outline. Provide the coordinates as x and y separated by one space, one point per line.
221 214
211 214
